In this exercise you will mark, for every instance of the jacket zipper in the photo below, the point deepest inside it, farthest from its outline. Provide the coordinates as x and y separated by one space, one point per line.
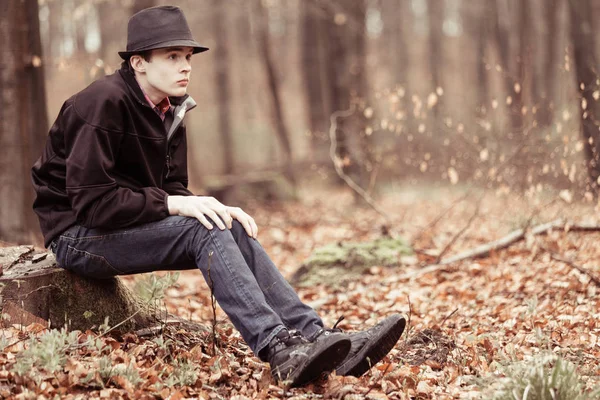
168 162
169 137
168 155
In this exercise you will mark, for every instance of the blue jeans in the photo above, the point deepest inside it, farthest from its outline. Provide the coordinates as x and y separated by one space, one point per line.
246 283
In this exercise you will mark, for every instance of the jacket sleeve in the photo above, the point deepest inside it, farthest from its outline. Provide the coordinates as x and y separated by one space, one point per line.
177 180
96 199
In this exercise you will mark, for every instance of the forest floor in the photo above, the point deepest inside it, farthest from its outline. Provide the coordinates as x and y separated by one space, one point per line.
470 322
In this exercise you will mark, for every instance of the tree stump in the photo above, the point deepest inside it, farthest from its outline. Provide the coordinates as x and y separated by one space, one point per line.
33 288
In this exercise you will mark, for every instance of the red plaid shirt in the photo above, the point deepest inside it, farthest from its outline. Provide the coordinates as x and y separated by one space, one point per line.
160 108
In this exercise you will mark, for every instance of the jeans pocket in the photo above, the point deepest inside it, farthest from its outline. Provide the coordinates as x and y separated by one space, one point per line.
89 265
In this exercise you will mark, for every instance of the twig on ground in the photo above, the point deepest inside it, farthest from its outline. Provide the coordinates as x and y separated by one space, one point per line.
408 326
14 343
20 258
121 323
337 162
535 213
439 217
448 317
379 380
557 257
461 232
214 308
503 243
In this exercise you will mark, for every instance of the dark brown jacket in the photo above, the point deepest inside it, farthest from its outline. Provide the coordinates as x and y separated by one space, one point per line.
109 161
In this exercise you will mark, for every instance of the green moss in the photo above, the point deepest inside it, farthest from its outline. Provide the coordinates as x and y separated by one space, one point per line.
338 262
383 251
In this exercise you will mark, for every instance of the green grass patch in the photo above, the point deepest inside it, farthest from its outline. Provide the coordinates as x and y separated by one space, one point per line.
338 262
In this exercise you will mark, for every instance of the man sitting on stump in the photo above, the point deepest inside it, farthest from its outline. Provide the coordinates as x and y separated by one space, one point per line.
112 199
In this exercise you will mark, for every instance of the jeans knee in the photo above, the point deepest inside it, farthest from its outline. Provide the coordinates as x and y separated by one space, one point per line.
237 228
202 239
224 236
239 232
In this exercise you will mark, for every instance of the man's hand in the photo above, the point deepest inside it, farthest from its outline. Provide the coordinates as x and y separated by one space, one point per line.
246 220
201 207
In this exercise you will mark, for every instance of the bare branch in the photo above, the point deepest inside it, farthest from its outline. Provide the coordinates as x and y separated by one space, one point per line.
448 317
337 162
461 232
439 217
571 263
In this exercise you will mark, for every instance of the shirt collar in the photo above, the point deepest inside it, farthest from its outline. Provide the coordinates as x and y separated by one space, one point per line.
160 108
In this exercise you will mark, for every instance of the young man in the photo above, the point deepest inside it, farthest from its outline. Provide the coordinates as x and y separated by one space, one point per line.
112 199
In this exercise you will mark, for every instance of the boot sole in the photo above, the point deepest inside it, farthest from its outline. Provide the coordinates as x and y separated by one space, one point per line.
374 352
324 362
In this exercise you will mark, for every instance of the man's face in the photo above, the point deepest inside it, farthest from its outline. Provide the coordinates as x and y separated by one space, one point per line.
168 71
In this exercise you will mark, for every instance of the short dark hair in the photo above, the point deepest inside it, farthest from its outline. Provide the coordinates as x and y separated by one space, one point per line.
146 55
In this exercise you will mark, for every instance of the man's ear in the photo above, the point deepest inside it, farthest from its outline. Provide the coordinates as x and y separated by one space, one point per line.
137 63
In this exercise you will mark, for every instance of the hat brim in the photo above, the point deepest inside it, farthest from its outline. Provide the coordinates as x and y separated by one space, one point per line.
197 48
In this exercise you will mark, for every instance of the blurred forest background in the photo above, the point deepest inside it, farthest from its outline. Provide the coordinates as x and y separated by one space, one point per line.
497 94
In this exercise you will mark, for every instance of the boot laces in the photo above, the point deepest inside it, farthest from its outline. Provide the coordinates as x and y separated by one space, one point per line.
335 328
328 331
294 338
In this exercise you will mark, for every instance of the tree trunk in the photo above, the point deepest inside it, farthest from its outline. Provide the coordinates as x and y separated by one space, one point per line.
112 23
33 288
80 32
246 53
522 97
346 81
397 27
273 82
552 17
402 32
525 63
358 34
103 10
435 9
55 29
223 85
586 67
54 38
483 83
499 10
338 79
23 116
314 60
139 5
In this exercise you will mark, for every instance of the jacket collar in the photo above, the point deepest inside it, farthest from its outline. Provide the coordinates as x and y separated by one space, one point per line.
179 112
135 88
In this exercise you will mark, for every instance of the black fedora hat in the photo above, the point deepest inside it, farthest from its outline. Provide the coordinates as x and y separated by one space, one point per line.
156 28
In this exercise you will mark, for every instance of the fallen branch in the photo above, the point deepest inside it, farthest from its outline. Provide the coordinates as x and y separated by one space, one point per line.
572 264
337 162
508 240
519 235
